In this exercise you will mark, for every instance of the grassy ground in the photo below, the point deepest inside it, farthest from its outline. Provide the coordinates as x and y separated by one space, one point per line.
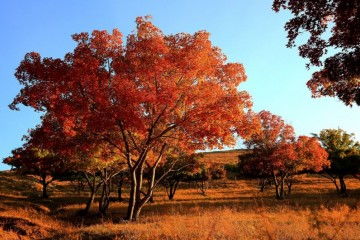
229 210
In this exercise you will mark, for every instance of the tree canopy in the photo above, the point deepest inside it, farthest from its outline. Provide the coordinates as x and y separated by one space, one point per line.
332 25
344 155
277 154
146 97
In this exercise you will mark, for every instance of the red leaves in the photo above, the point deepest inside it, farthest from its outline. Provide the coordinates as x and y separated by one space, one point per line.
155 89
276 149
312 154
270 131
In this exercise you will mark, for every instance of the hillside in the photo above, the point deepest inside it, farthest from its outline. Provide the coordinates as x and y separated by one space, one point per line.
222 157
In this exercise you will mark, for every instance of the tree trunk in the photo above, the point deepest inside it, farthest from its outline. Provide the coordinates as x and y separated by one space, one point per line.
93 187
132 198
105 194
336 185
172 190
282 192
119 190
276 184
277 191
151 199
140 202
138 211
289 185
136 202
44 191
89 202
262 184
44 187
343 191
279 187
104 199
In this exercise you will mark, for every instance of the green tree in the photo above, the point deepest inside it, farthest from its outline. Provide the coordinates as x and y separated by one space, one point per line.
344 155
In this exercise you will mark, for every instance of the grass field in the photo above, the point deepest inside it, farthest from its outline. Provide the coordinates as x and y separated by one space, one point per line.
230 210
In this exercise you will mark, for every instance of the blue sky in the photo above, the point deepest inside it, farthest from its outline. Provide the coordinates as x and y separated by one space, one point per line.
247 31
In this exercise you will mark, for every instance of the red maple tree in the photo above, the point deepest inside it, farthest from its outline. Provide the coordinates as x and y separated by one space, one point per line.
147 97
278 155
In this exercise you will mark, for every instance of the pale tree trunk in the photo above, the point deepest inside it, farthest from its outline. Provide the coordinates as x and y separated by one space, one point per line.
89 202
203 187
93 187
136 201
334 181
262 184
276 183
282 183
279 186
105 194
136 167
140 202
132 197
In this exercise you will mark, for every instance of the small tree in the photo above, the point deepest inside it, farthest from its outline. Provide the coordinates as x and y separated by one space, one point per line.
39 162
98 163
37 157
276 152
180 168
201 178
344 155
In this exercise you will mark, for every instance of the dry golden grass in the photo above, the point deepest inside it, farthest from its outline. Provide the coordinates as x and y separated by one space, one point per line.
230 210
29 223
338 223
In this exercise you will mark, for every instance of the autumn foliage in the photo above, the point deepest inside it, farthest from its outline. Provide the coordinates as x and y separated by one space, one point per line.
146 97
278 155
331 25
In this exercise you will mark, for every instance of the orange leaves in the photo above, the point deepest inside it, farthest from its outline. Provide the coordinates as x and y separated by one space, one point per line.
233 74
106 44
276 148
271 131
145 28
68 127
156 89
311 153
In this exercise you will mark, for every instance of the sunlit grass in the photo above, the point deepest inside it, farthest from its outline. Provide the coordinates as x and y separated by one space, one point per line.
229 210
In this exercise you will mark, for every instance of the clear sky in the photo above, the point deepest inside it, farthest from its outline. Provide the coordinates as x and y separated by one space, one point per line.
247 31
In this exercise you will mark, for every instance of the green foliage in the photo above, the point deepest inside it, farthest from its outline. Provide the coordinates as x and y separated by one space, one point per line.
343 150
